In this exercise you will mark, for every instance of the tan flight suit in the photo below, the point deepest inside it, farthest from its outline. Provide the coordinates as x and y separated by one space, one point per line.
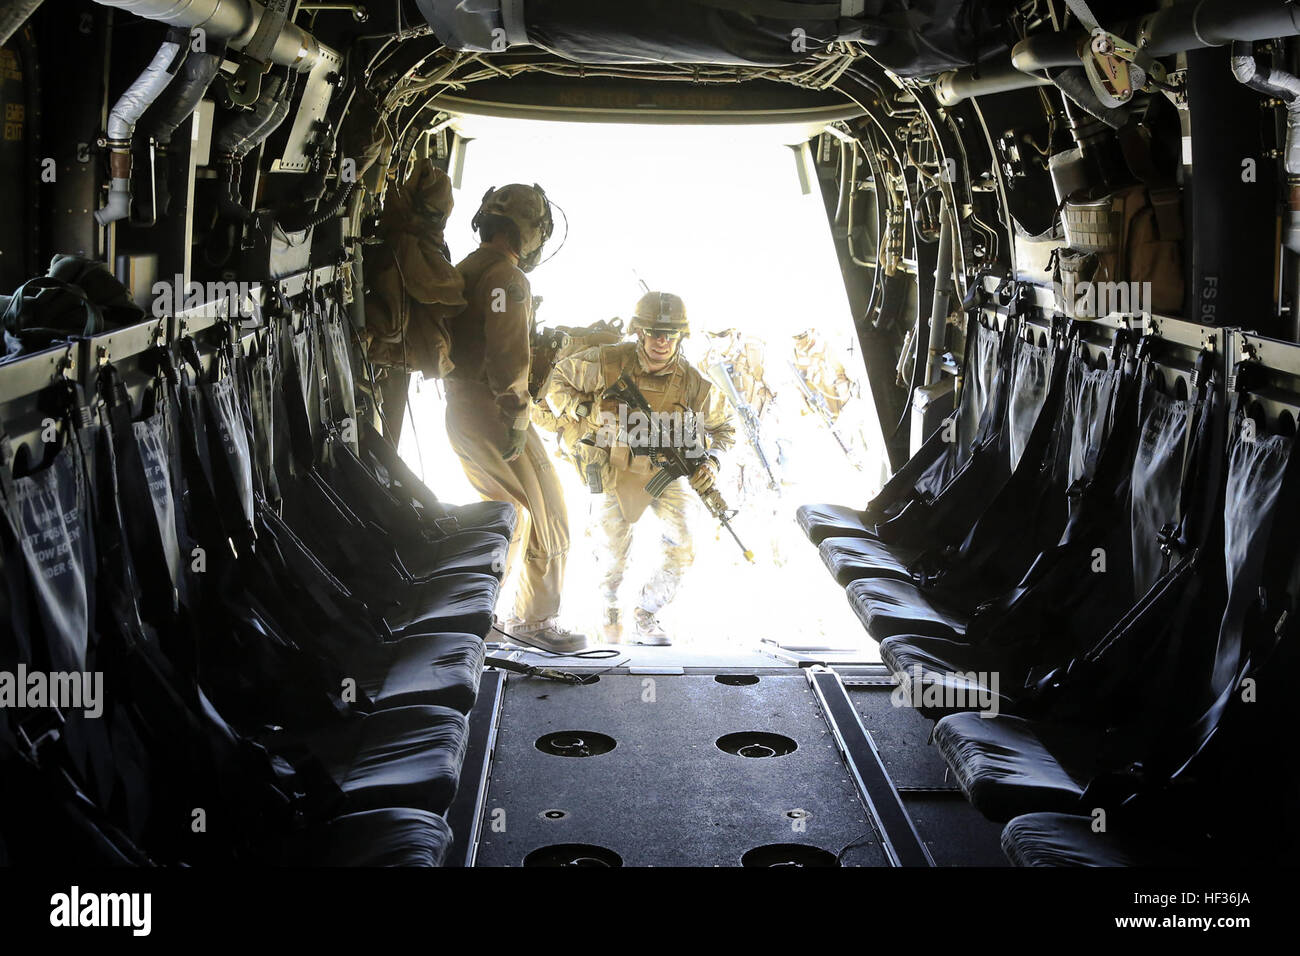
487 396
677 387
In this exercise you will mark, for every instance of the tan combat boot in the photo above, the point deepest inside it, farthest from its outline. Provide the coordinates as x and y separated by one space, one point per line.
649 630
547 635
613 626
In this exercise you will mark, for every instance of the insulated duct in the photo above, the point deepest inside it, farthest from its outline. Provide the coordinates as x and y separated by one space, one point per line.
1074 84
1276 83
181 98
245 133
234 21
1285 87
125 114
174 107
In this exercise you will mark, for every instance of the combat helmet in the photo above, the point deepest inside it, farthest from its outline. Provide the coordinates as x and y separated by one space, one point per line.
524 212
660 310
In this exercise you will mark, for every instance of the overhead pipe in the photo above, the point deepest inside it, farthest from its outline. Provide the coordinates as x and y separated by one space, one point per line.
13 15
1207 23
122 119
956 85
1047 51
1175 29
234 21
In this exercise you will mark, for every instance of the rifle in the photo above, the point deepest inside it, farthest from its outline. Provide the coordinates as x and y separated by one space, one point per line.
818 403
672 461
748 417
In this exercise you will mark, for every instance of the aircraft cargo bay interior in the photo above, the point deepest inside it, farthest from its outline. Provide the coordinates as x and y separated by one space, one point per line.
707 433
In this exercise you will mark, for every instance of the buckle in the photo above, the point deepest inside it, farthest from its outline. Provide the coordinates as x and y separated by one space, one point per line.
39 730
1167 536
447 524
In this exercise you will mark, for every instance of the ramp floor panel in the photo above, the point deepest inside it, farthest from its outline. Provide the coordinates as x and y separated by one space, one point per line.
956 833
666 794
902 736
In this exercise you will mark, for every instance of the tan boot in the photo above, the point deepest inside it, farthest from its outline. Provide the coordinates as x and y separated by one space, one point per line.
548 636
649 630
612 629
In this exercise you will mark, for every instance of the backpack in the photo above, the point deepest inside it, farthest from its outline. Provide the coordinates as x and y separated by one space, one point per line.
1133 235
549 346
78 297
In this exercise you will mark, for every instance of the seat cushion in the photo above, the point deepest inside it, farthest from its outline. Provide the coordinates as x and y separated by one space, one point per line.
392 837
442 669
1008 765
497 517
820 522
1064 839
888 606
450 602
404 757
851 559
943 676
476 552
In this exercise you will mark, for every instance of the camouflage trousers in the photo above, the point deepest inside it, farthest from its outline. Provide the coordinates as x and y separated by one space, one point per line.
672 508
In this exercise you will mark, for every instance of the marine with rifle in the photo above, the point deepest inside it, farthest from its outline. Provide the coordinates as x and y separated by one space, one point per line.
641 454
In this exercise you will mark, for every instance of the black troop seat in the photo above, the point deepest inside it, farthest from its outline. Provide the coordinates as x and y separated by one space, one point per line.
290 625
1178 741
442 669
914 488
1082 424
391 837
990 559
1075 604
1063 839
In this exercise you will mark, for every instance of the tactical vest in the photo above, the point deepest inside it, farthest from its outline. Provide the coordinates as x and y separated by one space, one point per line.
682 389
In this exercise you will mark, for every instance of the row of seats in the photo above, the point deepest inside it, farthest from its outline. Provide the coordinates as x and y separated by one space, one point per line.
1090 589
289 625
